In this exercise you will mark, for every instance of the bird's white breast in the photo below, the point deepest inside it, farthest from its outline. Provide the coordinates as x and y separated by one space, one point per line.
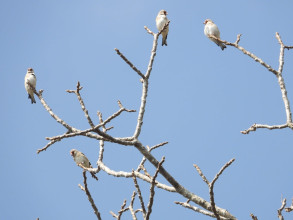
212 29
31 78
161 21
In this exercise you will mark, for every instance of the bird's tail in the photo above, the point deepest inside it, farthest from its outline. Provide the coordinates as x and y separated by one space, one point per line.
223 46
32 98
94 176
164 40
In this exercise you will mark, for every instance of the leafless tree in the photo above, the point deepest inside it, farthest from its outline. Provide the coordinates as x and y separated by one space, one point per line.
99 133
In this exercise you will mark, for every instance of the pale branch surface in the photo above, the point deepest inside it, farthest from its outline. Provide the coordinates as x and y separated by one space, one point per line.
196 209
280 216
211 185
77 93
278 73
87 169
141 164
179 188
131 206
201 174
123 209
270 127
289 209
253 217
152 190
102 136
72 132
139 194
97 213
129 63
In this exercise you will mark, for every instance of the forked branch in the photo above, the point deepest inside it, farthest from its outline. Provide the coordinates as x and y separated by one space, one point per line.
278 73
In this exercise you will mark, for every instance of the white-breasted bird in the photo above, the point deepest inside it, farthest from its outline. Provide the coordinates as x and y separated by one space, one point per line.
211 29
161 20
30 78
81 159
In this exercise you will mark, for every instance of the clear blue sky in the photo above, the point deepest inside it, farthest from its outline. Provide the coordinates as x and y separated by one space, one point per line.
200 98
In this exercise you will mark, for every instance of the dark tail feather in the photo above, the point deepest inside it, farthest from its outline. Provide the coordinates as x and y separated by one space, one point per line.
164 41
94 176
223 46
32 99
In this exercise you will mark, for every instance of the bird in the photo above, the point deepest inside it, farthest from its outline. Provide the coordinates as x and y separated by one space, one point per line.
211 29
161 20
81 159
30 81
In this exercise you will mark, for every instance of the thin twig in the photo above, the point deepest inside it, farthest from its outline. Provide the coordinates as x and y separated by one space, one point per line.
289 209
201 174
196 209
90 197
129 63
149 31
145 171
179 188
123 209
57 119
139 194
152 190
247 53
137 174
131 206
270 127
253 217
277 73
77 93
141 164
280 216
281 81
211 187
87 132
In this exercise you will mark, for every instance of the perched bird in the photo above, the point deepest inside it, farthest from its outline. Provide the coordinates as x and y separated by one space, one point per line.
81 159
161 20
211 29
30 78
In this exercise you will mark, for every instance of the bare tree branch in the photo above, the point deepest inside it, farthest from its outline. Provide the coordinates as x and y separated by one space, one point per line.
123 209
289 209
201 174
46 106
129 63
282 83
141 164
90 197
211 185
77 93
196 209
152 190
246 52
253 217
133 141
270 127
277 73
131 206
87 132
149 31
280 216
139 194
